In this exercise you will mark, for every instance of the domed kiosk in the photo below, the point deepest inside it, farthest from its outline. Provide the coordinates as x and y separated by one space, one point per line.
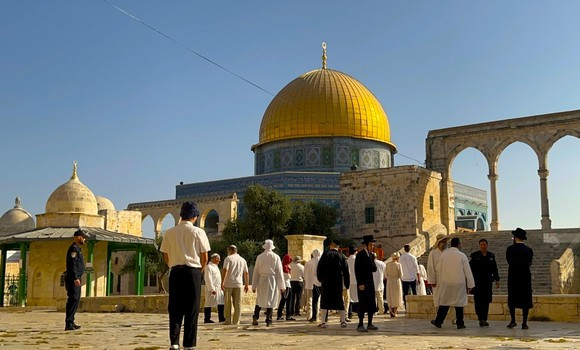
71 206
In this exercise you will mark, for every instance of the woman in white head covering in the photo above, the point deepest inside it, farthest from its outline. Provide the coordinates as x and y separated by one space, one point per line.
394 273
267 279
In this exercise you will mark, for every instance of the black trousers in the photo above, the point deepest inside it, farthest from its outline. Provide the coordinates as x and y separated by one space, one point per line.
285 299
442 313
184 296
207 313
296 295
481 306
73 294
406 285
315 298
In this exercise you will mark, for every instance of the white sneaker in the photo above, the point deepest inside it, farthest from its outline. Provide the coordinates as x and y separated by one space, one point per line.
174 347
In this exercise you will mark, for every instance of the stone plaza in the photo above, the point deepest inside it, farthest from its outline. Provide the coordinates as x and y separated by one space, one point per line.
35 328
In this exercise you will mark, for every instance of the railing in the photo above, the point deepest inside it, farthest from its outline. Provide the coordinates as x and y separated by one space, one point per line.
11 287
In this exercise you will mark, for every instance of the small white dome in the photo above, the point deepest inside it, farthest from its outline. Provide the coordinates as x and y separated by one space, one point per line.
16 219
104 203
72 197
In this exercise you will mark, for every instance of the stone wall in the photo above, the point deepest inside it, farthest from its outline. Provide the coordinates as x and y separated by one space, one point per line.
123 221
556 307
303 245
562 272
405 200
69 220
47 263
140 303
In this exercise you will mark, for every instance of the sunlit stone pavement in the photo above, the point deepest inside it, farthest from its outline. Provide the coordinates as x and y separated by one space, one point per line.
43 329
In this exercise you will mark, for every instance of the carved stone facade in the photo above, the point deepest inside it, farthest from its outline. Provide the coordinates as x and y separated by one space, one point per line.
491 139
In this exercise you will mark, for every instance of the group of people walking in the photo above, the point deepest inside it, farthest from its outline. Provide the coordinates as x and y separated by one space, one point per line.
346 285
452 276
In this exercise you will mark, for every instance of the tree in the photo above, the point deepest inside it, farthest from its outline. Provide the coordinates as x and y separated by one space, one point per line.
267 212
312 218
154 263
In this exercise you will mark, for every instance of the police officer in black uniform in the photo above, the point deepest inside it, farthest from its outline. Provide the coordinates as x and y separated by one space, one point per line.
75 267
484 269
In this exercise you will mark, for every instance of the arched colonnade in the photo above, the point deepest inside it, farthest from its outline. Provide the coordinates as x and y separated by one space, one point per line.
539 132
226 208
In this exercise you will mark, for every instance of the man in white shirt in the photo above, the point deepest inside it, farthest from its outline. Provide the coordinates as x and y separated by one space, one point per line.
378 277
411 273
214 295
297 284
184 249
312 286
236 276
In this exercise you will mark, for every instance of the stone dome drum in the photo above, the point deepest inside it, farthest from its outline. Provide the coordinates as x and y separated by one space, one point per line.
323 121
72 197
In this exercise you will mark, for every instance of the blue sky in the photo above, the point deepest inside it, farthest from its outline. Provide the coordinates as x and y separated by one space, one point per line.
81 81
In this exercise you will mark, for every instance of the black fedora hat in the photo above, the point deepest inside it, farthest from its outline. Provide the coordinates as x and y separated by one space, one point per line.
368 239
520 233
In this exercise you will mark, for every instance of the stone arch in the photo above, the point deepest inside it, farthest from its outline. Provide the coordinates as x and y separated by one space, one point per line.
563 180
148 226
538 132
161 220
209 221
470 169
460 148
518 164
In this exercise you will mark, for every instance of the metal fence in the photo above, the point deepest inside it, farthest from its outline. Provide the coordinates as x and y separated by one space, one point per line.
11 288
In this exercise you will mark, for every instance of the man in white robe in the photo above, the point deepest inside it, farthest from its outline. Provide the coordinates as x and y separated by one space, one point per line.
434 257
454 280
312 286
352 292
214 295
378 277
266 280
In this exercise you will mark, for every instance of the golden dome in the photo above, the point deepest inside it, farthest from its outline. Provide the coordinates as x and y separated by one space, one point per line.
72 197
104 203
324 103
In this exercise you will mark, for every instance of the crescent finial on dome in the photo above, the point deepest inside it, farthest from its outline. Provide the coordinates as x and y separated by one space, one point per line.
323 55
74 174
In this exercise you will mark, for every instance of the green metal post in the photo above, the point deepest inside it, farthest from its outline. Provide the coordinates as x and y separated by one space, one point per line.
90 271
139 271
109 279
22 280
2 274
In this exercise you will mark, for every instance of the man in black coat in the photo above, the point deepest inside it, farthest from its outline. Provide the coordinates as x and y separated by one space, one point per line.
484 269
519 258
75 267
332 272
364 266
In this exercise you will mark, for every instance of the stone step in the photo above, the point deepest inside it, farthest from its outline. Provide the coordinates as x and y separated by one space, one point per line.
544 253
